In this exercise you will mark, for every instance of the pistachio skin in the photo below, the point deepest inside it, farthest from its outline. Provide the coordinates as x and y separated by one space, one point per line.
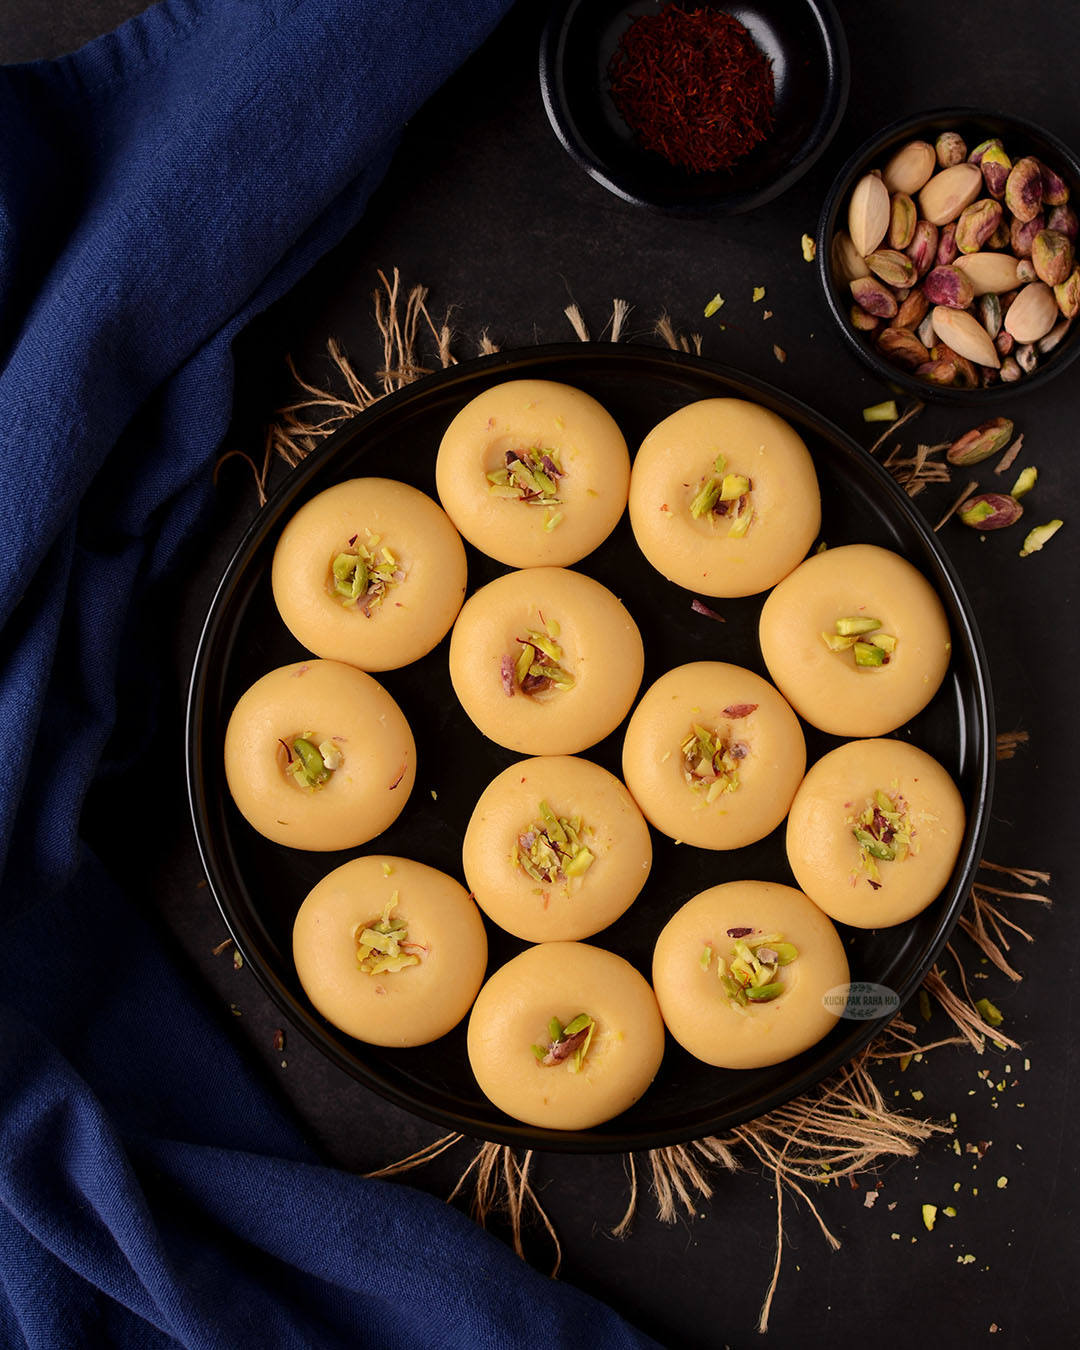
1022 234
1024 188
1067 294
1052 256
1055 189
922 250
892 267
902 346
1004 510
874 297
996 167
948 286
902 221
980 442
947 251
1064 218
976 224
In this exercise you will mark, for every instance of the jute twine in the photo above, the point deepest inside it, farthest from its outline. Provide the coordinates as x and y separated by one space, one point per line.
843 1126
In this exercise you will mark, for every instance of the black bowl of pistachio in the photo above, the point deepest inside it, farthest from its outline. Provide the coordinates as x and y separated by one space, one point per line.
947 253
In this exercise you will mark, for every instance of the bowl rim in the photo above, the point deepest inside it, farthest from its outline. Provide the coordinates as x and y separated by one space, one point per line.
553 43
874 148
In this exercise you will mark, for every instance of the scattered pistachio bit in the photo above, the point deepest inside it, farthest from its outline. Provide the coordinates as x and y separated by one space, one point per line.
237 960
279 1040
362 574
530 475
726 496
1040 535
929 1215
759 293
713 305
234 1008
966 1260
1002 1182
386 869
809 248
551 849
991 1015
566 1043
711 765
884 832
779 353
700 607
383 946
925 1014
538 665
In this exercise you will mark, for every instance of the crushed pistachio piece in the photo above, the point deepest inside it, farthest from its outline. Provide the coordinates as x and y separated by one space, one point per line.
1025 482
711 763
929 1216
751 972
713 305
362 575
809 248
861 635
725 496
990 1014
552 848
884 833
881 412
538 666
311 765
1039 536
759 293
530 475
566 1044
383 946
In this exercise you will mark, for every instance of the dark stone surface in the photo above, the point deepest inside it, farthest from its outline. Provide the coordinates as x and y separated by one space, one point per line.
483 206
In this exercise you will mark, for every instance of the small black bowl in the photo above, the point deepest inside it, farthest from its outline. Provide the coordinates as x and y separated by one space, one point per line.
803 38
1019 138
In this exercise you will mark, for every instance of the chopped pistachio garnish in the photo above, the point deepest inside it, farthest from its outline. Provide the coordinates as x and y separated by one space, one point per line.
531 475
990 1014
1039 536
552 849
711 764
566 1044
759 293
860 635
881 412
751 972
361 575
929 1215
713 305
725 496
311 765
1025 482
383 946
884 833
809 248
538 666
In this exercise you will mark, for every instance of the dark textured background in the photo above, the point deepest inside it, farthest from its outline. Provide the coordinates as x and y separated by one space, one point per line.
484 208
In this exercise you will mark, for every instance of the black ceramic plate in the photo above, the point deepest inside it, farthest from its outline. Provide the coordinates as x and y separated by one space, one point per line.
260 885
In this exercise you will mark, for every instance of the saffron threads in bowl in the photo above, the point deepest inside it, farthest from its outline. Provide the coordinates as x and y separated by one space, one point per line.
693 86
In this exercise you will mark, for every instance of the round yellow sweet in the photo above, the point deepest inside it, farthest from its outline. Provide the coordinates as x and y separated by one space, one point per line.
828 688
402 614
599 648
443 937
762 533
576 509
563 980
606 858
700 1012
838 796
692 802
344 713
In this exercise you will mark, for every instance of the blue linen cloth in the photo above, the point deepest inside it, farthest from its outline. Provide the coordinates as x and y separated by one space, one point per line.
157 190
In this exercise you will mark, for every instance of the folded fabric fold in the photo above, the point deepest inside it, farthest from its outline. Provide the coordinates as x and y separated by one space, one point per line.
157 190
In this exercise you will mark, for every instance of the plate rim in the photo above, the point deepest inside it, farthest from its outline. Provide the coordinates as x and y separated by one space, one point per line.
599 1139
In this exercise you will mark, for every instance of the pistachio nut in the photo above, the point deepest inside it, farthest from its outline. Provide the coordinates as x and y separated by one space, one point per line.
922 250
965 375
1027 358
1025 481
976 224
1022 234
948 192
1052 256
950 148
902 218
965 335
1025 271
987 376
948 286
1064 218
996 167
862 321
892 267
1024 188
989 312
1039 536
874 297
980 442
847 261
947 252
938 372
990 273
1033 313
976 156
1067 294
1010 371
912 311
868 213
991 511
902 346
1004 343
1055 191
925 331
910 167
